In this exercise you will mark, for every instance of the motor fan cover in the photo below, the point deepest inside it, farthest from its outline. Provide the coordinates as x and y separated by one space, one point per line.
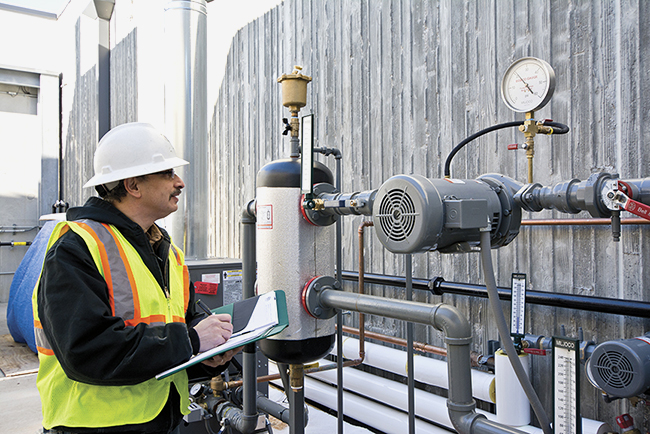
621 368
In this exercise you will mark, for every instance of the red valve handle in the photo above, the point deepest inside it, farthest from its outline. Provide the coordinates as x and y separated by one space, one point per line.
637 208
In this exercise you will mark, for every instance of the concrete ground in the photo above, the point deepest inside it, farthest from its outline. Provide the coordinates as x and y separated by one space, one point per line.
19 400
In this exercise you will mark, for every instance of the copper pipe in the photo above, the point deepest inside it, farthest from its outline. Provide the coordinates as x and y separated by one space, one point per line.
361 332
266 378
425 348
581 222
362 317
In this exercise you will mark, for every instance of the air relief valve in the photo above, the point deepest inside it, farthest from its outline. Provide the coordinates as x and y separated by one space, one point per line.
294 97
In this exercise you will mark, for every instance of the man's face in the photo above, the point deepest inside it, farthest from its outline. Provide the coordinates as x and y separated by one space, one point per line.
160 193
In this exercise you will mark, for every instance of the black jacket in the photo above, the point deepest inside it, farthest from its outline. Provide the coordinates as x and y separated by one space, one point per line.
92 345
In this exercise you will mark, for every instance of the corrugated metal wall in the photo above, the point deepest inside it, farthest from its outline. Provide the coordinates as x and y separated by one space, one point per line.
396 84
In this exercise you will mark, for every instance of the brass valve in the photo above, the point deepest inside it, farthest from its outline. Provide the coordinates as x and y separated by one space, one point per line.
531 128
294 96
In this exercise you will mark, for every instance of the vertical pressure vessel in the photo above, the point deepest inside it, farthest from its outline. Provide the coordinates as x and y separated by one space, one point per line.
290 252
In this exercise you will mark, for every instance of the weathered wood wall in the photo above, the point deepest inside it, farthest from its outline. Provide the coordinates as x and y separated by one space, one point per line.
397 83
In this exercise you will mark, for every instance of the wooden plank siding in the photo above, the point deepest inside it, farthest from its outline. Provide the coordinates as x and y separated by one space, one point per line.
397 83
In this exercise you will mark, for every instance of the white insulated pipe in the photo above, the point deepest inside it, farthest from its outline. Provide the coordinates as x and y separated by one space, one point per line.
364 410
426 369
392 393
513 407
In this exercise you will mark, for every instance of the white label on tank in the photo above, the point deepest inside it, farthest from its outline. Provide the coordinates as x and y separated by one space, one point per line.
644 339
265 216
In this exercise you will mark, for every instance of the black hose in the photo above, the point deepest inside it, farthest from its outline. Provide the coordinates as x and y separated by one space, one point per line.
558 128
476 136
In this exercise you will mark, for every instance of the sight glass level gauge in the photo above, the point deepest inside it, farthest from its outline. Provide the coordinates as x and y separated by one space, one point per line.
528 85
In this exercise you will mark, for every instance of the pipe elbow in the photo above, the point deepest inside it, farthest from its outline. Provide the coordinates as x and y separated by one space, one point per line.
235 417
464 420
248 214
449 320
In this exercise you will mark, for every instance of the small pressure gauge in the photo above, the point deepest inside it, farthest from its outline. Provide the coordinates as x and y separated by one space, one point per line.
528 85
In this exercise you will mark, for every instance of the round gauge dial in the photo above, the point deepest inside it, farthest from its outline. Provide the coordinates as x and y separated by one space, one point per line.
528 85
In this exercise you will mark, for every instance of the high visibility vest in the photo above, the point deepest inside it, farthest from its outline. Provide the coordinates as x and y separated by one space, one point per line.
136 297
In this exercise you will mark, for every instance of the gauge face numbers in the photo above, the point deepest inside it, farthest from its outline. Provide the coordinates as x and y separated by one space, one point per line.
518 308
528 85
566 391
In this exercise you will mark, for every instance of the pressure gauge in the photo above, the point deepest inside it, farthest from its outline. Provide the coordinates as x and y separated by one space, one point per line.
528 85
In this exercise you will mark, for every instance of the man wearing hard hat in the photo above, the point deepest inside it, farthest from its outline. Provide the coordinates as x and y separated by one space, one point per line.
114 305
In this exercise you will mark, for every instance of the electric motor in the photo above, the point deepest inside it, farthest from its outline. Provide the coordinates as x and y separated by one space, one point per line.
621 368
412 213
291 251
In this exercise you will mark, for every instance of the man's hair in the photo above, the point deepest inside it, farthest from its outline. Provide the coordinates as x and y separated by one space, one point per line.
113 195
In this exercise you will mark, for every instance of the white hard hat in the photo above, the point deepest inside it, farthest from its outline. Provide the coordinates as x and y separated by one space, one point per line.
133 149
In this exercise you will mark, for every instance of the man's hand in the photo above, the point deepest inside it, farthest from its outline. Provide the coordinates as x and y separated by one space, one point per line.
213 330
222 359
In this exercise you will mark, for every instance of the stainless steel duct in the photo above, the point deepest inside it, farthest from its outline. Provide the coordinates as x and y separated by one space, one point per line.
186 121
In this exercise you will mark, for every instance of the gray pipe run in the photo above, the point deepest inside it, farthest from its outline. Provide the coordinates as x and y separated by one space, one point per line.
247 421
458 336
233 416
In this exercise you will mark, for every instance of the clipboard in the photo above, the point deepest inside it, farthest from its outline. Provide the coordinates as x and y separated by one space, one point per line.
253 319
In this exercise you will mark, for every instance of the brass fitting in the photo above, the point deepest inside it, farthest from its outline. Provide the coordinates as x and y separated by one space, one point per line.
218 386
296 376
294 95
319 204
530 128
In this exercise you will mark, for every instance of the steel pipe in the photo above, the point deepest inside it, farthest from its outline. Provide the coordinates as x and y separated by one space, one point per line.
458 336
248 419
571 301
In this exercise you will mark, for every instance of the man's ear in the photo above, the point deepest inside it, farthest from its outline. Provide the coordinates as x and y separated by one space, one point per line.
131 187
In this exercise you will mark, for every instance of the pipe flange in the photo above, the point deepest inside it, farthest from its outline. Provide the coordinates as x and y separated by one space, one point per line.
311 296
315 217
593 187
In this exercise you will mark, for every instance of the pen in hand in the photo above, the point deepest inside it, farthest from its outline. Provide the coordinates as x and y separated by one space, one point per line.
204 307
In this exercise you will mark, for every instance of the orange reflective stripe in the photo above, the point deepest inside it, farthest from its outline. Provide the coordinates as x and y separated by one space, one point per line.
42 344
104 260
134 291
118 271
176 255
186 286
186 276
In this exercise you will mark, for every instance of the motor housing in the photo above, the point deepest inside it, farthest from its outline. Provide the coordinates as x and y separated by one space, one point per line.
621 368
413 214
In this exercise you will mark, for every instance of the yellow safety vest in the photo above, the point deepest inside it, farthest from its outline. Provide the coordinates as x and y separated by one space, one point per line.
136 297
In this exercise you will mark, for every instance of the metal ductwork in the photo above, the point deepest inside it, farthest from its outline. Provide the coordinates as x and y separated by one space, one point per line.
186 119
